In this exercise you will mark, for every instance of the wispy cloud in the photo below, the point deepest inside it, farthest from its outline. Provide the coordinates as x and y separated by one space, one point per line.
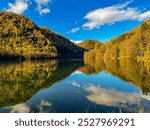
76 73
77 22
74 83
108 97
76 42
74 30
42 6
20 6
20 108
112 14
43 105
26 108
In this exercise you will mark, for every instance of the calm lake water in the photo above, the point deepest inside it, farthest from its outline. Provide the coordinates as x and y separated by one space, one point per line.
75 86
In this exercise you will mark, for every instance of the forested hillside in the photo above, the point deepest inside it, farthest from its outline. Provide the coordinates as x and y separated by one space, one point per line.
131 45
134 44
20 37
90 44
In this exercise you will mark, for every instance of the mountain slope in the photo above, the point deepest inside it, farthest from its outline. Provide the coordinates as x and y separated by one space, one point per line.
90 44
94 49
131 45
20 37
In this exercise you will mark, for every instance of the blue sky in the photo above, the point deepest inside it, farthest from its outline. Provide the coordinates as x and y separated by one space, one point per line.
79 20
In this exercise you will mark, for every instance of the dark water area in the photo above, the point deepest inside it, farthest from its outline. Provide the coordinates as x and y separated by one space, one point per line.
66 86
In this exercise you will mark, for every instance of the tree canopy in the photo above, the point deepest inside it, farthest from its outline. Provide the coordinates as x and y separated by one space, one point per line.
20 37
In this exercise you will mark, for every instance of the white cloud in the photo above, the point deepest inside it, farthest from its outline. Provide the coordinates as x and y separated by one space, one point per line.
108 97
24 108
74 83
77 22
42 6
43 2
76 42
112 14
44 104
20 108
76 73
20 6
74 30
44 11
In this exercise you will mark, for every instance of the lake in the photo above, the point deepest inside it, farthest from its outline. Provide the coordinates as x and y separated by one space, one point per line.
75 86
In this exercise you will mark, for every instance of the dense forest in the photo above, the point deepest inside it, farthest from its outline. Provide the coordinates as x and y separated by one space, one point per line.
20 37
131 45
90 44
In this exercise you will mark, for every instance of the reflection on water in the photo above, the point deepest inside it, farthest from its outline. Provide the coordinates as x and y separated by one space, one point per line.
19 81
71 86
130 71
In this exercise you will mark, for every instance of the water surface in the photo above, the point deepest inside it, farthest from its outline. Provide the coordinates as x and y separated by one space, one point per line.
75 86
